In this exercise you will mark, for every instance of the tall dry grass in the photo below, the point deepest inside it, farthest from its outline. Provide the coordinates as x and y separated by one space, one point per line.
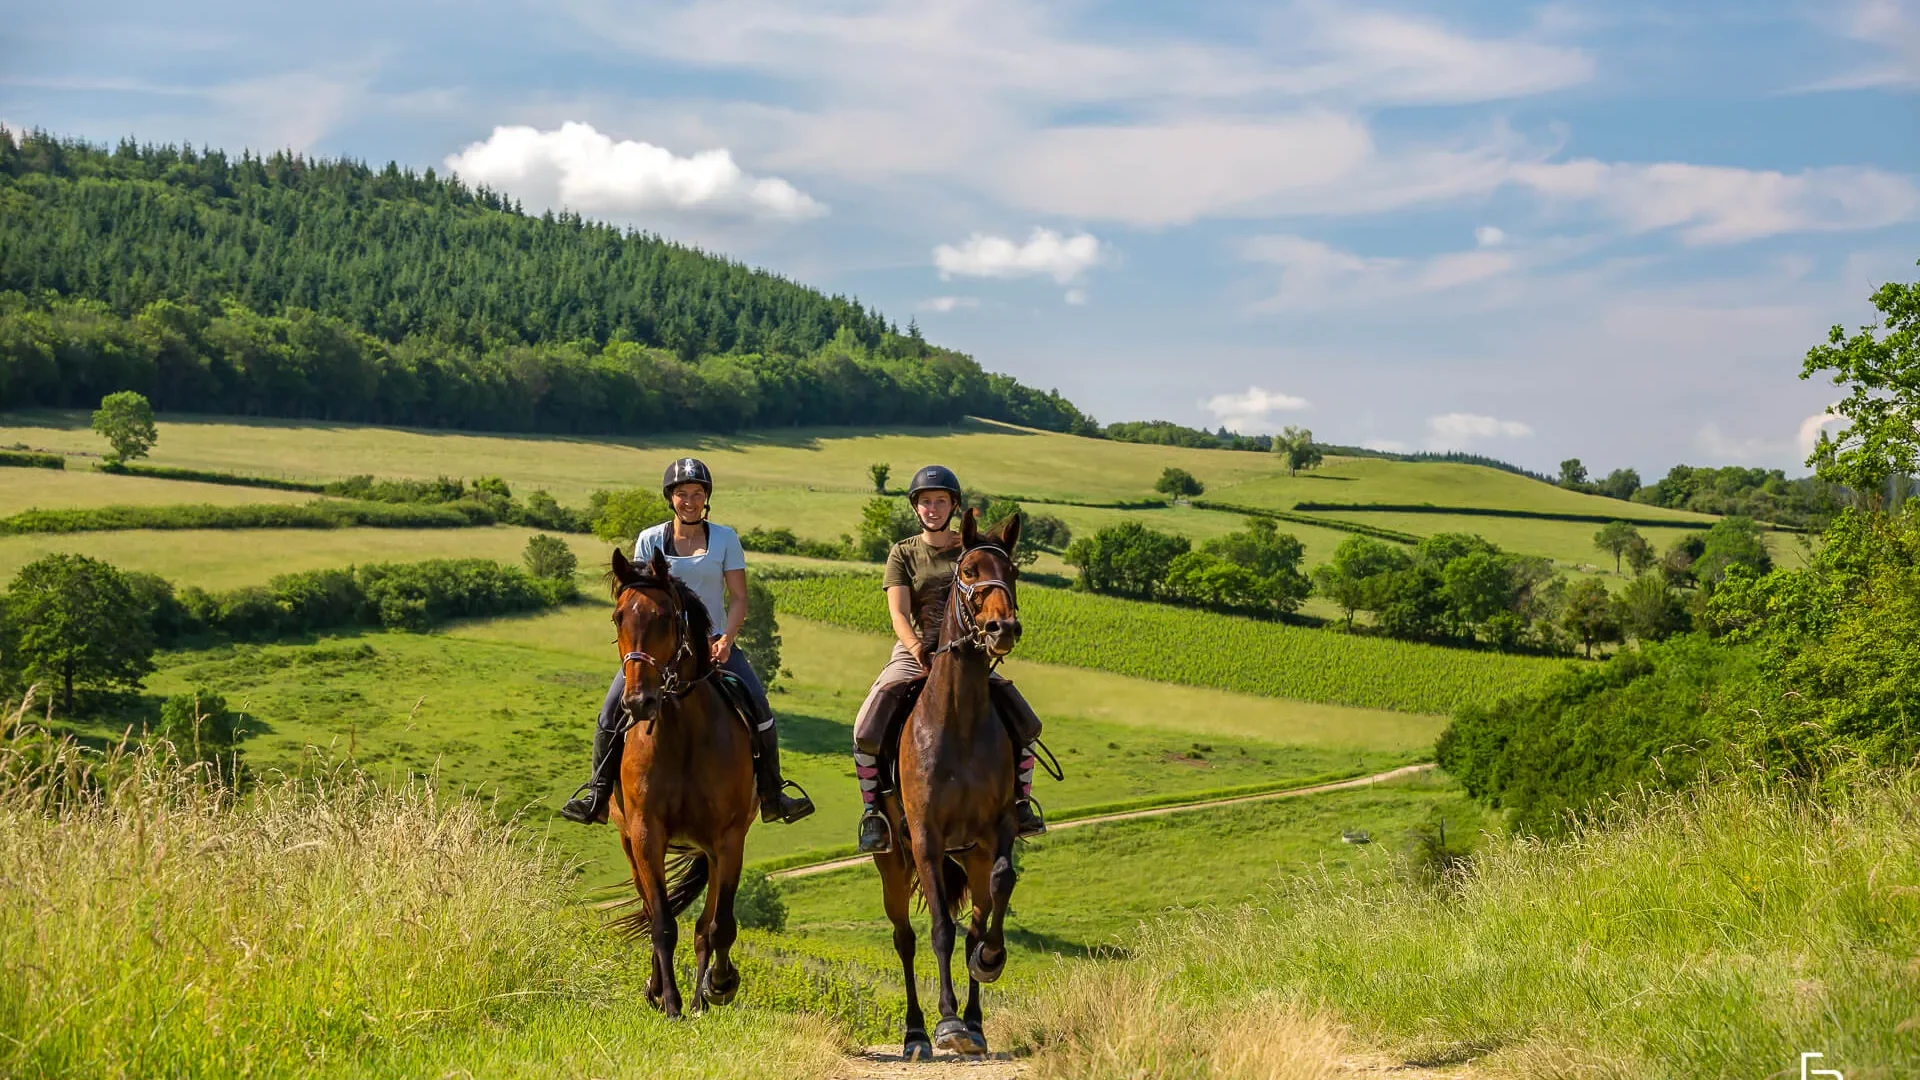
154 923
1718 932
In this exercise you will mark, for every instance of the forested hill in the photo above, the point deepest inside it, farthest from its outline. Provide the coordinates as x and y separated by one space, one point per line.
287 286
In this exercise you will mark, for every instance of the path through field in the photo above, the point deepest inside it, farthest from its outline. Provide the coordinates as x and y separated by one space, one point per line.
1157 811
885 1063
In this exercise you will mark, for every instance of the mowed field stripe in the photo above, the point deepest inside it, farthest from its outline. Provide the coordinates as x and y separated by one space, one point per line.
1157 811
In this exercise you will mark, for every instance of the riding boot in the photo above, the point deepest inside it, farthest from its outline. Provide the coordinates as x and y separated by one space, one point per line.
590 808
775 803
1027 817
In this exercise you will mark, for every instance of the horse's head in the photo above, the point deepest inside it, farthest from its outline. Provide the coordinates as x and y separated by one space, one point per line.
984 580
650 623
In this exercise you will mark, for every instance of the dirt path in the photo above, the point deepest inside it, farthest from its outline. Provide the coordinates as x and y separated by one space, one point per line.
885 1063
1128 815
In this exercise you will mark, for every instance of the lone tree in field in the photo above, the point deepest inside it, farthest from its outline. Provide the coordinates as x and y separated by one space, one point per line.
550 557
1296 445
879 470
125 420
1179 484
1573 474
74 621
1615 538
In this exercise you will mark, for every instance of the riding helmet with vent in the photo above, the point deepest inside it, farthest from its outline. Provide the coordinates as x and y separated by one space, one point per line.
934 478
686 471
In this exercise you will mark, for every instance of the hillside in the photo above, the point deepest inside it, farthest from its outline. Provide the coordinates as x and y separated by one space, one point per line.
288 286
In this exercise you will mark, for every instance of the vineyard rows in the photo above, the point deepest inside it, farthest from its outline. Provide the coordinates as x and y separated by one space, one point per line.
1200 648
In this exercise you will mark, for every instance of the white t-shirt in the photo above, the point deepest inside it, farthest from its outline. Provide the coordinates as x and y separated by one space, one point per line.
705 573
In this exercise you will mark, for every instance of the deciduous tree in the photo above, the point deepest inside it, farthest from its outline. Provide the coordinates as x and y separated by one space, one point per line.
74 621
125 420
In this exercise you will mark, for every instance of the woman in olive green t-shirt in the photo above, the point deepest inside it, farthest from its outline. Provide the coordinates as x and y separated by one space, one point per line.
918 579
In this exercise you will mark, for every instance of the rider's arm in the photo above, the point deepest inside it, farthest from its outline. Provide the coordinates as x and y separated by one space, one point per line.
736 604
900 607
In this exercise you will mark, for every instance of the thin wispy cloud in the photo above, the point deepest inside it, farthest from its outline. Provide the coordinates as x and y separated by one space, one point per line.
577 168
1315 275
1461 431
945 304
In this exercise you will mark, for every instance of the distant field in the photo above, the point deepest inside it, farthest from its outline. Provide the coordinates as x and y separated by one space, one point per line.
1567 543
79 486
1199 648
1374 480
1090 887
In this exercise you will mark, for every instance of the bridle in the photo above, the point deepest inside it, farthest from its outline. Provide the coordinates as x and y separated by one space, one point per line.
671 683
966 613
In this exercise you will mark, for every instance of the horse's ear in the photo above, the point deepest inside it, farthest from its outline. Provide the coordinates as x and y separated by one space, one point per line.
624 571
657 566
1010 532
969 529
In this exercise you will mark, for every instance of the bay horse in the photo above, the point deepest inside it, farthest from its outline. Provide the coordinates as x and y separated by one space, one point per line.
952 814
686 797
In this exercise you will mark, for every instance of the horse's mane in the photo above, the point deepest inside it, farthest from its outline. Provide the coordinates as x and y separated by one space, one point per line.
699 621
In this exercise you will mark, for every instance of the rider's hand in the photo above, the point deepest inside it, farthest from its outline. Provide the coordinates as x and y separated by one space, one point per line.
919 649
722 648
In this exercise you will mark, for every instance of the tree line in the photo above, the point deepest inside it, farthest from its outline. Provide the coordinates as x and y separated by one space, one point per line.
1801 675
289 286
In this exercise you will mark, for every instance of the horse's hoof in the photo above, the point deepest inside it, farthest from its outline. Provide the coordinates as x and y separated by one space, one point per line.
917 1048
675 1015
953 1036
980 969
717 991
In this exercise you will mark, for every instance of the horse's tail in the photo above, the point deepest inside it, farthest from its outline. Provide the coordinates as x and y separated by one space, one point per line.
686 880
952 875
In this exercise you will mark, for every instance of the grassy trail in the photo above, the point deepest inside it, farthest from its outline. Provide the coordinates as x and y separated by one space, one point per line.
1157 811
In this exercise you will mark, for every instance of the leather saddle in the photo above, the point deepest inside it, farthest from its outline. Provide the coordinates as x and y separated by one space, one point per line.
1012 710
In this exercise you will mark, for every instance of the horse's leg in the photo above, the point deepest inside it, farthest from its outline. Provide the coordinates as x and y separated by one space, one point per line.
638 862
652 843
992 885
703 942
951 1032
898 895
720 980
979 864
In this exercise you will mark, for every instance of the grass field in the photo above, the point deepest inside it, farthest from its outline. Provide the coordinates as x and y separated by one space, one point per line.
1094 886
1568 543
1200 648
505 708
1375 480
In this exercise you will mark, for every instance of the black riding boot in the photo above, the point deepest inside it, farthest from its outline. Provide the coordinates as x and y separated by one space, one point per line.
589 804
876 836
775 803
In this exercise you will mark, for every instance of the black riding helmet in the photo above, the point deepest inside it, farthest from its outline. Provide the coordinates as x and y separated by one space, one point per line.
935 478
687 470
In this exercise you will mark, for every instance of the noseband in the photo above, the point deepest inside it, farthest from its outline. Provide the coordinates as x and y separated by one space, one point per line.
971 635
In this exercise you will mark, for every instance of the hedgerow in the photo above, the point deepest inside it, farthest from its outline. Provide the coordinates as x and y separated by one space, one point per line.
319 514
30 459
393 596
209 476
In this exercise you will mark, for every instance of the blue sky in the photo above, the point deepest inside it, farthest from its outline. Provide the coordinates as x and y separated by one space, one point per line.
1532 231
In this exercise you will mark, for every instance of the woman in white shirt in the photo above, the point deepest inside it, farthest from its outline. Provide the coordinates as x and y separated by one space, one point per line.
709 560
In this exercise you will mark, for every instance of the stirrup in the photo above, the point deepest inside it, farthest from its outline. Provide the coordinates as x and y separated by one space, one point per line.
1031 823
783 808
884 838
588 806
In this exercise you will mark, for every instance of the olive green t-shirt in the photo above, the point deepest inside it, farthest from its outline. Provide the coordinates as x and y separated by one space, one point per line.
927 572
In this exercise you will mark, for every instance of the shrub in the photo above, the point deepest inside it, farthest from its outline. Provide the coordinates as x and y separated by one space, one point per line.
760 634
199 725
550 558
1128 559
618 517
758 905
319 514
884 523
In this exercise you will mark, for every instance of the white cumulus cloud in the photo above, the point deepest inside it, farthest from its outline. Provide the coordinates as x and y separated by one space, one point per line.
1253 409
1458 430
578 168
945 304
1810 428
1063 258
1489 236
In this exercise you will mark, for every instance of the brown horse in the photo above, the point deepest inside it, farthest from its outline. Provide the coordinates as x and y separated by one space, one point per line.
686 780
953 813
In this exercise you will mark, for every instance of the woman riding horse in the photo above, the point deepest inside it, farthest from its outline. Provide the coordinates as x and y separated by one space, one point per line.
919 576
706 557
